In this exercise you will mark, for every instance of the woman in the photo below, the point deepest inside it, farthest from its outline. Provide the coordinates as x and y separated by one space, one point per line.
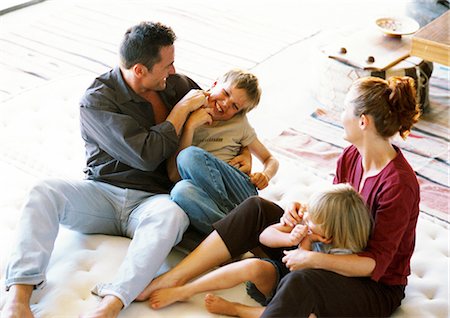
370 283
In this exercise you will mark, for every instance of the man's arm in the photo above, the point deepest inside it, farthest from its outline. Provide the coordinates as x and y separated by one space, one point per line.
199 117
189 103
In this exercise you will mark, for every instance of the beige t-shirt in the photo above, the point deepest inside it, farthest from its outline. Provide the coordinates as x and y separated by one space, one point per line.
224 139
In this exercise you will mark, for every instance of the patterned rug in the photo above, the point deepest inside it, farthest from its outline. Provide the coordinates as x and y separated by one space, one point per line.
318 143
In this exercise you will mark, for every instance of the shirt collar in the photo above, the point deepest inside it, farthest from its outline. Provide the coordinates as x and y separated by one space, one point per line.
124 91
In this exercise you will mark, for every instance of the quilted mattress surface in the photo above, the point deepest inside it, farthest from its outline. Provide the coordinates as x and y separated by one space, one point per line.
79 261
39 128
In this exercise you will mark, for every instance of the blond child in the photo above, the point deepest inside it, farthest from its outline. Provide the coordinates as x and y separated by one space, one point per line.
337 221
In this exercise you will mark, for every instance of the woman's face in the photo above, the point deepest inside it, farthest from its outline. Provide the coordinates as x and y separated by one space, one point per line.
350 122
226 101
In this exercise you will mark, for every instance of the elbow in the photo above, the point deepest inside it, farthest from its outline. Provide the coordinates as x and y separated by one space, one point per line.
370 267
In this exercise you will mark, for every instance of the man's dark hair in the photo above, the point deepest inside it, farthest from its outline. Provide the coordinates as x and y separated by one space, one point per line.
142 44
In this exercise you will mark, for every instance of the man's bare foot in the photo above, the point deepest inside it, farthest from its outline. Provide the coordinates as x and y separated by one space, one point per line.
16 310
163 281
109 307
217 305
166 296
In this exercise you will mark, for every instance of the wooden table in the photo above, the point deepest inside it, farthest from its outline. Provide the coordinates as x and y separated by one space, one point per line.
432 42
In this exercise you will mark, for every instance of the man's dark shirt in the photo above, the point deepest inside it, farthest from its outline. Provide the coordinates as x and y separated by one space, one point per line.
124 146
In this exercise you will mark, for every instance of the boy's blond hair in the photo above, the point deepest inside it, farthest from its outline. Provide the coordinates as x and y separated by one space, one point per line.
343 216
244 80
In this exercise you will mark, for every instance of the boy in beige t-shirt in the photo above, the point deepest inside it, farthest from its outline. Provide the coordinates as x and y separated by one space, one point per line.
212 183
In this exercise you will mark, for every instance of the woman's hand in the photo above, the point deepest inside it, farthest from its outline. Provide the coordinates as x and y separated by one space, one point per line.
293 214
297 259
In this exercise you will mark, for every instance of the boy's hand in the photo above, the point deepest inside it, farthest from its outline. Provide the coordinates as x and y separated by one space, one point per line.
259 179
298 233
199 117
293 214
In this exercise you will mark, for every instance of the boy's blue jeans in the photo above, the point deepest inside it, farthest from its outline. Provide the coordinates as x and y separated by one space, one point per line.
210 188
153 222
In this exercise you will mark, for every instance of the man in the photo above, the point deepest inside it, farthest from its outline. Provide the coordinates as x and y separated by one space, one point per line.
131 118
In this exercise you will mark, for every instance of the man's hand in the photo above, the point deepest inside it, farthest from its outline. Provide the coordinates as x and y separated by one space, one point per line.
194 99
297 259
259 179
243 161
293 214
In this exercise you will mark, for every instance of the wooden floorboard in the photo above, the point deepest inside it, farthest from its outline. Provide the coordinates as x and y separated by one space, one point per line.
85 39
82 36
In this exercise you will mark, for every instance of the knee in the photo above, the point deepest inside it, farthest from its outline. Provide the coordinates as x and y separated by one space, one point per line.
46 188
254 202
256 268
262 209
174 217
189 157
183 190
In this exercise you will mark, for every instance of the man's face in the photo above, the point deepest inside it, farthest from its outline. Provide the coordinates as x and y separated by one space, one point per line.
155 79
226 101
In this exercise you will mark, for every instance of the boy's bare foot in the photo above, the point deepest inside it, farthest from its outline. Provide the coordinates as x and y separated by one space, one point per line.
166 296
109 307
16 310
217 305
163 281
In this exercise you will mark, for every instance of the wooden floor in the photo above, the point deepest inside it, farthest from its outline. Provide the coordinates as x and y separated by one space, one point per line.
55 39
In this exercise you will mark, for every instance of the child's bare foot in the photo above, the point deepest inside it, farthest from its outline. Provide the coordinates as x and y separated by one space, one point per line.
163 281
217 305
166 296
16 310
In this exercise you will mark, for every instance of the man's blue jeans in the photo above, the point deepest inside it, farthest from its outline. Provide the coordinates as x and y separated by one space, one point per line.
153 222
210 188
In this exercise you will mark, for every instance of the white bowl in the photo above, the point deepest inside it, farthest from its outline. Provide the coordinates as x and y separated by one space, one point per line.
397 26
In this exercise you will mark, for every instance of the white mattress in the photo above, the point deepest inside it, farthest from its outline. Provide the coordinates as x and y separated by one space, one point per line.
49 134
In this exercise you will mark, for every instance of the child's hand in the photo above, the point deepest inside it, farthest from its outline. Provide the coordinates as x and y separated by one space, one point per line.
199 117
259 179
298 233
